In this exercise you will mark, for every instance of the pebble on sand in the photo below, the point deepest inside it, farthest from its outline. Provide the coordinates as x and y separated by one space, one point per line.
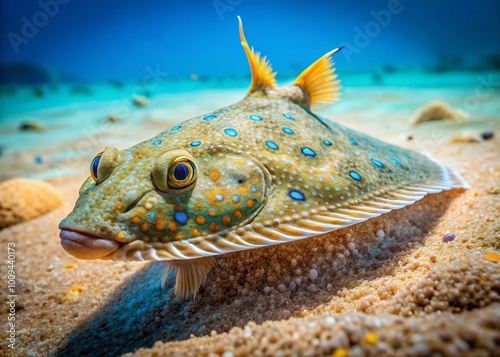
140 100
448 237
24 199
487 135
313 274
492 257
31 126
466 137
112 118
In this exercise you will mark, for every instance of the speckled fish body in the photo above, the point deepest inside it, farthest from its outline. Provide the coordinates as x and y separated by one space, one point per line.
264 171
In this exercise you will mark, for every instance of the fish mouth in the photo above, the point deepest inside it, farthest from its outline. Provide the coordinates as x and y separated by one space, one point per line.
86 246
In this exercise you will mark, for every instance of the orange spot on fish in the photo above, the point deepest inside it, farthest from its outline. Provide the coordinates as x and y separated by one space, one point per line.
159 224
243 190
237 214
213 227
197 205
212 212
180 236
200 219
105 197
172 226
120 236
226 220
215 175
250 203
136 220
195 233
144 226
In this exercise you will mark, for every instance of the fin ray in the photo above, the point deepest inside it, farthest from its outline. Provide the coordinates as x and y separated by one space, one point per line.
189 275
319 81
262 72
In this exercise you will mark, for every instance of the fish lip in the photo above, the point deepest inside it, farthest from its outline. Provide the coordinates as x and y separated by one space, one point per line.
85 245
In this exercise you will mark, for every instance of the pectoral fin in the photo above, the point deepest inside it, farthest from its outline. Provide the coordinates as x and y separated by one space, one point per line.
189 275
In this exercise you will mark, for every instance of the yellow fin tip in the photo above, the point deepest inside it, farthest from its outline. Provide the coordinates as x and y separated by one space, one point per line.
262 72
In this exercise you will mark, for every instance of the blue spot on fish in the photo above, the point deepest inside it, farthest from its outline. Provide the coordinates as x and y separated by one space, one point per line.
297 195
195 143
288 130
175 128
236 199
157 142
352 141
230 132
254 189
327 142
288 116
210 117
396 161
152 216
219 197
355 175
378 163
180 217
308 152
255 117
272 145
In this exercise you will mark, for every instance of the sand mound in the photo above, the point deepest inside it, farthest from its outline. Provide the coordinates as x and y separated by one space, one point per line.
437 110
23 199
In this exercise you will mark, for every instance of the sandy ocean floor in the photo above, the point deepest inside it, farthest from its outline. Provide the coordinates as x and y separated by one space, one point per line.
404 293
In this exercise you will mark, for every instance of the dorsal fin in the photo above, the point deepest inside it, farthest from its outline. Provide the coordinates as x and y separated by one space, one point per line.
262 72
318 81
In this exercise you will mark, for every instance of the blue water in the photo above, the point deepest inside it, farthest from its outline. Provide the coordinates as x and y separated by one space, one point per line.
98 40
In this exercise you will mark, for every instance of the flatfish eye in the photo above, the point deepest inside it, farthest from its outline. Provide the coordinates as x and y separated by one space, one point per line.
181 173
94 166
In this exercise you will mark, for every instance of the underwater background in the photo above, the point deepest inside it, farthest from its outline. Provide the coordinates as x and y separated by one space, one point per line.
77 76
94 57
191 45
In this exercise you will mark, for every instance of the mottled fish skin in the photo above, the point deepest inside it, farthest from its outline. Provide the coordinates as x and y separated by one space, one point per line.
268 162
267 171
